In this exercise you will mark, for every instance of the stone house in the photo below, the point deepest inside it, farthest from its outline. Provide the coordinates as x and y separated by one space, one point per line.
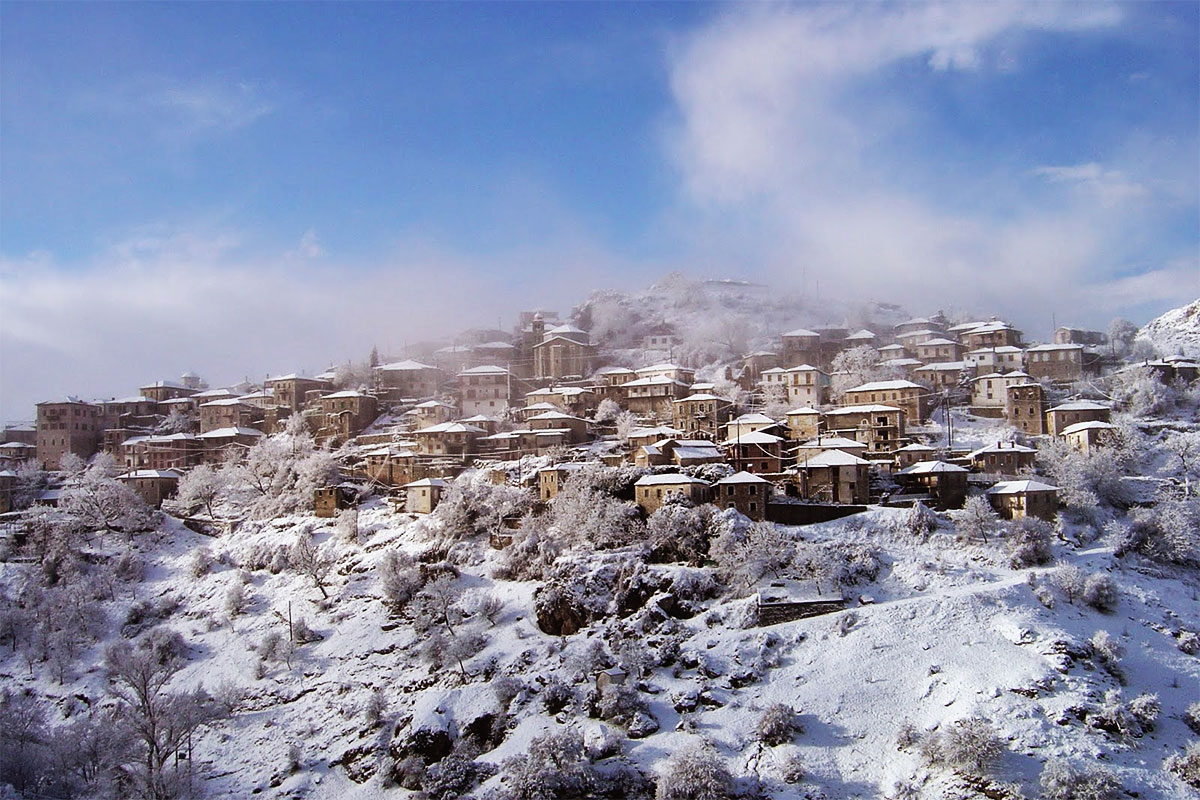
803 423
1087 436
575 428
165 390
231 413
914 325
753 365
910 339
292 390
757 452
485 390
329 500
700 416
448 439
14 454
989 393
1057 362
152 485
1024 408
1066 414
814 447
806 386
654 396
677 452
667 369
8 483
1064 335
389 465
834 476
660 337
800 346
995 333
862 338
938 349
564 351
408 379
67 426
880 427
651 491
423 496
346 414
208 395
1027 498
749 423
130 412
169 451
1003 458
944 376
996 359
890 352
945 484
23 433
748 493
431 412
220 444
913 453
910 397
551 480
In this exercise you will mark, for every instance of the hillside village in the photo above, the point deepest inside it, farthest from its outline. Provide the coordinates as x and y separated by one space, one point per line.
627 551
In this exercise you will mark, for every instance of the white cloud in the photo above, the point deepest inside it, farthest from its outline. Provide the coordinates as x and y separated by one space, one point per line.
780 152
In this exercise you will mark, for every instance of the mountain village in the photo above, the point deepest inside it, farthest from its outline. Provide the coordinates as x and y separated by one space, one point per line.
591 526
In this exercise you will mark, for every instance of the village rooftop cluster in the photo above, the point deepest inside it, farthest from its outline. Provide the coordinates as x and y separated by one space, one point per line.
828 421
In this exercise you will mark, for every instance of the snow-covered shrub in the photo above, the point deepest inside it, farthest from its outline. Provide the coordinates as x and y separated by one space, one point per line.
235 599
1107 650
695 772
744 556
970 746
1189 642
1100 592
585 516
400 578
96 500
454 776
506 688
620 704
1186 767
907 736
792 770
129 567
679 532
554 766
1133 719
347 525
1166 532
607 411
1030 543
532 552
976 519
1145 709
556 696
1062 781
918 521
778 724
311 561
1069 580
1138 391
1191 717
1086 480
202 561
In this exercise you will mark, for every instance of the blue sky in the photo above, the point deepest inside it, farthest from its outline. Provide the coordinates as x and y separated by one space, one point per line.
243 188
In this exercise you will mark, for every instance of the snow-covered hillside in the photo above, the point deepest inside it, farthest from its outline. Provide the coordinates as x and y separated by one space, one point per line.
1176 332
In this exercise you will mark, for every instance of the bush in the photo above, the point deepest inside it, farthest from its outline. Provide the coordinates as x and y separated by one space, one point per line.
695 773
620 704
202 561
235 599
1030 543
556 696
454 776
1061 781
1108 651
1100 592
777 725
1191 717
400 578
1186 767
970 746
554 766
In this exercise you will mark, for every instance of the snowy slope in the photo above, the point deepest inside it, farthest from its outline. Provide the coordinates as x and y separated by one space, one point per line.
1176 332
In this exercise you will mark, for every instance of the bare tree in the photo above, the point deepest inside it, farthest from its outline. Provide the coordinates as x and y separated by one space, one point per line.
203 485
309 560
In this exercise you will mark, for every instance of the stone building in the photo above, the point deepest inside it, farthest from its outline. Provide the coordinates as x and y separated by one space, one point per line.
152 485
834 476
910 397
1057 362
1027 498
748 493
407 380
485 390
1003 458
231 413
880 427
1066 414
67 426
293 390
945 484
651 491
1024 408
701 416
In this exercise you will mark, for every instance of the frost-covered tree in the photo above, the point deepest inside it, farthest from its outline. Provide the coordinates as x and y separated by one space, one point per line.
744 555
175 422
1062 781
1166 532
626 423
280 473
98 501
162 720
201 486
778 724
976 519
1030 543
1100 592
859 365
607 411
400 579
554 766
582 515
1138 391
678 531
695 772
970 746
1086 480
774 401
1184 450
1121 334
31 481
311 561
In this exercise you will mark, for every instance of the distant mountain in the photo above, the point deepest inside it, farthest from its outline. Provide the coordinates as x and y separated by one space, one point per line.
1176 332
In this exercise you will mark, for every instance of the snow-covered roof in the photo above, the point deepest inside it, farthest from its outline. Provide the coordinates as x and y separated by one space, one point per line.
832 442
479 418
1082 405
864 334
554 415
870 408
931 468
965 326
911 334
697 397
693 452
260 395
136 399
164 385
295 377
661 367
426 483
487 369
834 458
945 366
668 479
68 399
228 401
1020 487
803 368
221 433
1043 348
567 328
802 332
449 427
891 347
1004 348
408 365
902 362
615 371
742 477
178 401
915 448
17 446
432 404
657 380
752 418
1084 426
495 346
662 430
343 395
991 327
804 410
938 342
885 386
169 474
773 371
541 407
214 393
755 437
1002 447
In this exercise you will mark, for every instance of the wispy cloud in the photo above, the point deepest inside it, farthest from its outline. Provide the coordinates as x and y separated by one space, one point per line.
1109 186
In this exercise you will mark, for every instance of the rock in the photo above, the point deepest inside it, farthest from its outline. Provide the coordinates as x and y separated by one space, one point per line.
642 725
559 611
686 702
